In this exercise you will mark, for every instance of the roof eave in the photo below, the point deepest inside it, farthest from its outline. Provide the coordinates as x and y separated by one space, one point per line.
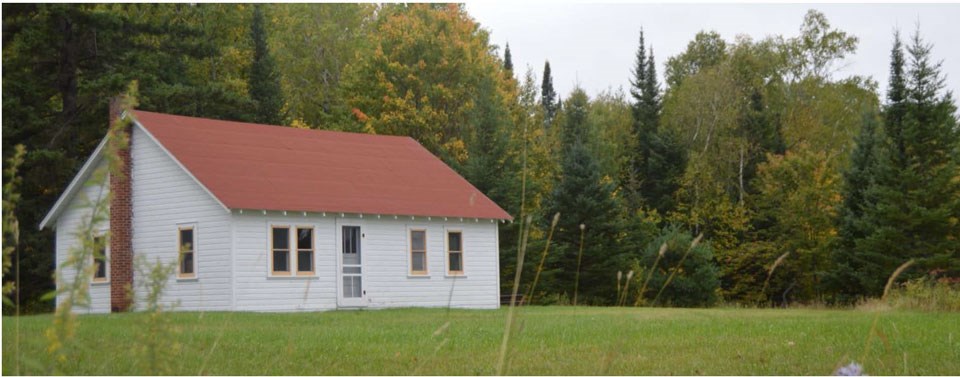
502 218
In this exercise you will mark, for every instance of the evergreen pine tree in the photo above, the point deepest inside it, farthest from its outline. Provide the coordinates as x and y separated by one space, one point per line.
264 82
582 197
896 95
844 279
913 201
548 96
508 59
659 159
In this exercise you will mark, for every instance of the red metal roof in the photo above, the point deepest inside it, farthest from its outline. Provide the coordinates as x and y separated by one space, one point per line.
261 167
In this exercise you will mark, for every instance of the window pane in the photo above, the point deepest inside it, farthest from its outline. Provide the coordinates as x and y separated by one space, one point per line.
101 269
351 239
351 270
186 264
356 242
304 261
454 241
304 239
456 261
352 287
100 258
186 239
281 260
281 238
357 287
419 262
348 286
418 240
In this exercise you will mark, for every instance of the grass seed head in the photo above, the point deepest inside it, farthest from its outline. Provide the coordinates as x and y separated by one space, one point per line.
697 240
893 277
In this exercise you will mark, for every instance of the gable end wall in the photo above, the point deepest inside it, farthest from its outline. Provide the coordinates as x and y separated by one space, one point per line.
77 213
164 197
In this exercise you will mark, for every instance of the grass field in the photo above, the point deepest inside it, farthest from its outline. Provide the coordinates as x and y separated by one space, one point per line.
552 340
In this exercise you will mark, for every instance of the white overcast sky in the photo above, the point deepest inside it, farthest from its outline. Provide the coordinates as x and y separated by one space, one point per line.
594 44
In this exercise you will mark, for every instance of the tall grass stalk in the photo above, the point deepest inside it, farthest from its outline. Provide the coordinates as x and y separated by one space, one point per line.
523 232
643 289
673 273
543 258
156 340
513 298
79 259
576 281
523 186
11 239
619 278
622 300
876 317
770 273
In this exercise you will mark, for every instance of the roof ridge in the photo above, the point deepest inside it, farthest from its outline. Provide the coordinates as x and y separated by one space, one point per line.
276 126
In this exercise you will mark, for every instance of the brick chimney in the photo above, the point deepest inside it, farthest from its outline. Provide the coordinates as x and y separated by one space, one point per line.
121 224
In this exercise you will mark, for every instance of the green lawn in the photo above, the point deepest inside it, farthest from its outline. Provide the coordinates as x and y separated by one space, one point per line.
552 340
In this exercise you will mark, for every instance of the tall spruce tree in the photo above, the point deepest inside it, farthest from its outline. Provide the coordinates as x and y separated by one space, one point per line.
855 223
264 82
507 59
914 198
548 96
582 197
659 159
844 280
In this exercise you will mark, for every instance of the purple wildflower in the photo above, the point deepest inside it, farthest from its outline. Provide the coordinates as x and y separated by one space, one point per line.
852 369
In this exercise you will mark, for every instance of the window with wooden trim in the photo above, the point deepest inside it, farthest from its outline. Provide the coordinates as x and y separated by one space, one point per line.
305 251
187 266
455 253
280 250
418 252
100 260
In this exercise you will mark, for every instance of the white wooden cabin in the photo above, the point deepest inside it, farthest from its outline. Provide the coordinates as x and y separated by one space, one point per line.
268 218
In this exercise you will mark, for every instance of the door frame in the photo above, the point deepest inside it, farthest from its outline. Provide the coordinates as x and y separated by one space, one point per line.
341 301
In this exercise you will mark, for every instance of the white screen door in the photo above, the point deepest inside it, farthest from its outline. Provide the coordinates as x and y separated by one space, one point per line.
351 266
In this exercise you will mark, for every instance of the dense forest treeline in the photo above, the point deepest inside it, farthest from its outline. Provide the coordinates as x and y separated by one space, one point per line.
753 144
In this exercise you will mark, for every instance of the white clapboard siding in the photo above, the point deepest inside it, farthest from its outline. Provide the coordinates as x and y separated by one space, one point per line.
256 290
69 223
385 264
389 284
165 197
